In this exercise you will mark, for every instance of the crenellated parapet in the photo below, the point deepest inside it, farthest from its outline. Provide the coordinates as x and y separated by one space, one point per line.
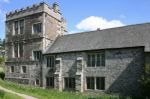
36 8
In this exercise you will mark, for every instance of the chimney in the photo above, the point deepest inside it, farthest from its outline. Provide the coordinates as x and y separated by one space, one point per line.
98 29
55 7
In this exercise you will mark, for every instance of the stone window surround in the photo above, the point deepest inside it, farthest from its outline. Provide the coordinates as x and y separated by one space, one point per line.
36 82
33 56
22 72
10 69
64 87
13 52
49 83
41 27
18 26
95 86
53 62
99 52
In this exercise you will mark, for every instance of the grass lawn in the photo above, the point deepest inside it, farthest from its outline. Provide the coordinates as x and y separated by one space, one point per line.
53 94
5 95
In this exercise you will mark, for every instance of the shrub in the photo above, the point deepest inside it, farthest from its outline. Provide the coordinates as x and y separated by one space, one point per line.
145 81
2 74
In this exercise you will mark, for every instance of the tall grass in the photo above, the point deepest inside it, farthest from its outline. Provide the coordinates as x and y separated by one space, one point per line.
54 94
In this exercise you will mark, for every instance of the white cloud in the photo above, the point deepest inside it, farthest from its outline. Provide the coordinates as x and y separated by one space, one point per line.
93 22
6 1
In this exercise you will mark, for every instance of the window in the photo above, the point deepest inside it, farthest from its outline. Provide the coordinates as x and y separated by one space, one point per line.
37 82
100 83
24 69
37 28
96 60
95 83
21 23
19 27
69 83
50 61
37 55
50 82
18 49
90 82
16 29
12 69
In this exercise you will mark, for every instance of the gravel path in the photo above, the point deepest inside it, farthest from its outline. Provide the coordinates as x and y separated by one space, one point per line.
19 94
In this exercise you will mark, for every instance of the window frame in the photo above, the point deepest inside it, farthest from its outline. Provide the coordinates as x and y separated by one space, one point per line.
18 25
36 82
54 59
17 53
50 82
33 32
22 71
95 83
12 71
102 61
33 55
73 81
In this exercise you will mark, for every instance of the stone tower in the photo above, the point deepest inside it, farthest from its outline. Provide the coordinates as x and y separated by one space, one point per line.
28 33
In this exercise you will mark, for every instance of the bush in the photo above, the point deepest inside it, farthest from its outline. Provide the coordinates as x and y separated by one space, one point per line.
145 81
2 74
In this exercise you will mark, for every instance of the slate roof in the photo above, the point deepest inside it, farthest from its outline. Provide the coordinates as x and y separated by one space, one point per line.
120 37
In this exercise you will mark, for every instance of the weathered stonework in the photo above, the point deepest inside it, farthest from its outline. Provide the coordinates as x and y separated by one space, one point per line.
39 13
122 70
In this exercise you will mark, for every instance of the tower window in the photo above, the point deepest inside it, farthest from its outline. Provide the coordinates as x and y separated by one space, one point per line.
12 69
19 27
24 69
37 55
37 28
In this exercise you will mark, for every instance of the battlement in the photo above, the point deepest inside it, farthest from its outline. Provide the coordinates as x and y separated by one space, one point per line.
35 8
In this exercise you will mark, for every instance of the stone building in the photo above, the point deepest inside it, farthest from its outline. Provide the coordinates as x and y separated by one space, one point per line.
28 33
109 60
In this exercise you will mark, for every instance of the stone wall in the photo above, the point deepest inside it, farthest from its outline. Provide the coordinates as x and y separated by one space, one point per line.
123 68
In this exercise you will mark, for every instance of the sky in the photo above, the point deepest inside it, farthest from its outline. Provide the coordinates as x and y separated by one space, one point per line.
87 15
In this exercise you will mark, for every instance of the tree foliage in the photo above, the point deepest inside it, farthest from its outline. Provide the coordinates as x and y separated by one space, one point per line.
145 81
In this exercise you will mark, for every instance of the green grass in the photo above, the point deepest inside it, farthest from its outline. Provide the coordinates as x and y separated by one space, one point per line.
5 95
54 94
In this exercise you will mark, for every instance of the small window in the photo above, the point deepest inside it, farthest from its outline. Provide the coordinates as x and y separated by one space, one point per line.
12 69
21 24
100 83
37 55
18 49
24 69
95 83
16 29
69 83
50 61
19 27
50 82
37 28
96 59
21 49
90 82
37 82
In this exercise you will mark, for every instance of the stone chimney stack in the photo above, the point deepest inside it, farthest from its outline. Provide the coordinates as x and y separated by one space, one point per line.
55 7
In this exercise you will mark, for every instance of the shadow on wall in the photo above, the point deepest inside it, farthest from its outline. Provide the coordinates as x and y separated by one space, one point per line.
127 83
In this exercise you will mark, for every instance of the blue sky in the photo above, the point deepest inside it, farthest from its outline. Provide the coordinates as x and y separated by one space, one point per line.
85 15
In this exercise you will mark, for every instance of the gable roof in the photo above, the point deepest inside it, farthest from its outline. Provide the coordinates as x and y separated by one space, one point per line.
127 36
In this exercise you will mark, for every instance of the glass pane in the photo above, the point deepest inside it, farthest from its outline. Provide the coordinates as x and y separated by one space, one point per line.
93 60
90 82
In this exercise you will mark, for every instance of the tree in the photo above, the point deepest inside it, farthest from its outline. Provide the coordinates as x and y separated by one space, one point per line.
145 81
